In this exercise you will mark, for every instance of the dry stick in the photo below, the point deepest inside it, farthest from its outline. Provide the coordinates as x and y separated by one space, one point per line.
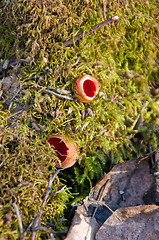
31 223
27 230
54 93
146 155
58 95
18 217
48 190
102 24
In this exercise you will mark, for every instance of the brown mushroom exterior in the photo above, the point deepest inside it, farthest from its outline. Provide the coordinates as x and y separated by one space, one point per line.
65 149
86 88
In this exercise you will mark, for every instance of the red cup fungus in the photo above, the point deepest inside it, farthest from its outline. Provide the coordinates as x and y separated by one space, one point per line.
86 88
65 149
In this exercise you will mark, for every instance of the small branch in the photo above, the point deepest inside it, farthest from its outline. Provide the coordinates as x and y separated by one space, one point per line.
102 24
48 190
49 224
18 217
27 230
147 155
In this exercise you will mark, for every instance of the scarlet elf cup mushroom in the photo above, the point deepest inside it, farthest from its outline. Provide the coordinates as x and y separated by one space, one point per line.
86 88
65 149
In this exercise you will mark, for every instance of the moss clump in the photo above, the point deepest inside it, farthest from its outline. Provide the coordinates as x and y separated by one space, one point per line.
123 57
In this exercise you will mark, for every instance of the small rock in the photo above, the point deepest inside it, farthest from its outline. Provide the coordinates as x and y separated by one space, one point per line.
139 222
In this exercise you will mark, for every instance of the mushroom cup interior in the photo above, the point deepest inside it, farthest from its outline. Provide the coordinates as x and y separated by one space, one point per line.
60 147
89 88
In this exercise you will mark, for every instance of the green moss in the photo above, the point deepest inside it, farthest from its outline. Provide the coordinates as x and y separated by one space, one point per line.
123 56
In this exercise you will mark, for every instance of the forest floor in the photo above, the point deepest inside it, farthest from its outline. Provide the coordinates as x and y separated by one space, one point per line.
38 70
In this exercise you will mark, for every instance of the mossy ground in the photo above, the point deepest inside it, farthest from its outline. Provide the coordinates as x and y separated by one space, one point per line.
123 56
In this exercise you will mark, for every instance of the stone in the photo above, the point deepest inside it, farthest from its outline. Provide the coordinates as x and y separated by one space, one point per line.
138 222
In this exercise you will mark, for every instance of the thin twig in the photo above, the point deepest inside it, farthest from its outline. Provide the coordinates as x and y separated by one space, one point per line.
28 229
18 217
3 162
54 93
48 190
58 95
48 230
44 229
146 155
44 213
14 114
101 203
49 224
102 24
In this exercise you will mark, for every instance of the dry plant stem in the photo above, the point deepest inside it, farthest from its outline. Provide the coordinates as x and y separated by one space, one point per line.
48 190
54 93
18 217
49 224
147 155
58 95
102 24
